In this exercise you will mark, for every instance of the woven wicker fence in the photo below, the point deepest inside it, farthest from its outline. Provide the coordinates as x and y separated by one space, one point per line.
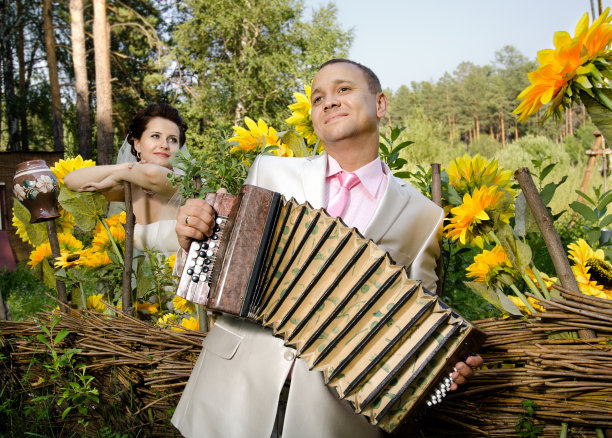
143 369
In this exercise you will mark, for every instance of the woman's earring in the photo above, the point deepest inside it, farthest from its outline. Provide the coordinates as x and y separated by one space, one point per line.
138 156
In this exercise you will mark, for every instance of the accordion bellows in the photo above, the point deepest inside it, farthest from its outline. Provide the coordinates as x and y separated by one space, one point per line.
382 341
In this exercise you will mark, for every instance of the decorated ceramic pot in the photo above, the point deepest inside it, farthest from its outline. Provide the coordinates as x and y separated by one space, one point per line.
37 188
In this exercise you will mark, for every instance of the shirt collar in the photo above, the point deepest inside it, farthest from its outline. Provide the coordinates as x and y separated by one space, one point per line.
370 175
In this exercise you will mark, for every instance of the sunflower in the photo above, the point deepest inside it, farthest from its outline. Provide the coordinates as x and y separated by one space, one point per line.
191 324
171 261
473 219
258 136
68 260
111 221
181 305
575 64
101 241
64 167
583 257
300 116
169 319
523 308
467 173
548 281
492 268
64 223
95 303
68 245
148 307
93 259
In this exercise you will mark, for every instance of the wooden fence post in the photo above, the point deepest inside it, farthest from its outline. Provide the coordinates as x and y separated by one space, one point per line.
551 238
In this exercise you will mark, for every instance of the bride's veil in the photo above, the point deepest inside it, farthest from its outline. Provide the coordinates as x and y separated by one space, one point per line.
170 210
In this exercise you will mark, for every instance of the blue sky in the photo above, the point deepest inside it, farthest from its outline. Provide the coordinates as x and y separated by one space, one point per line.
409 40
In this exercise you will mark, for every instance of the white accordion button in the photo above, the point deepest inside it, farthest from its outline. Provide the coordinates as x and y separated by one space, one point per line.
219 221
200 262
197 269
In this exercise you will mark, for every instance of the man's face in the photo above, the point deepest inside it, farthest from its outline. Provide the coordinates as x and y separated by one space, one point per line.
343 107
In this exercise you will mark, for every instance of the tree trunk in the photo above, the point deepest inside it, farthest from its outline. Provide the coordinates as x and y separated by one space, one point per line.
515 129
503 127
23 89
56 102
10 98
570 121
477 127
79 60
104 104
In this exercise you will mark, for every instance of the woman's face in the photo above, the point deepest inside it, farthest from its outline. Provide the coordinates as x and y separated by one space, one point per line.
158 142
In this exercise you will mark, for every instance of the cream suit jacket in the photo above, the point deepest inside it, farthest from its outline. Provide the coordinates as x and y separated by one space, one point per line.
234 388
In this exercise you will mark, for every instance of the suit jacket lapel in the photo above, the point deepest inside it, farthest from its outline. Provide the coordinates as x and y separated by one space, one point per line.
391 205
313 179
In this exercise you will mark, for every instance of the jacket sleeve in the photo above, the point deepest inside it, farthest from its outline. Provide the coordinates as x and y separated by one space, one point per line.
424 265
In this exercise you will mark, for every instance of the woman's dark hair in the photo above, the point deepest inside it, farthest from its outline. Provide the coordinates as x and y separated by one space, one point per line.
141 120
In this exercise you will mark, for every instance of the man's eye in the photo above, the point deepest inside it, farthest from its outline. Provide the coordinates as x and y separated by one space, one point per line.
317 100
343 89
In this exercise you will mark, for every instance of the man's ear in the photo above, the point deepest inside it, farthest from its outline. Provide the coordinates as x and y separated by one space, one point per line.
381 105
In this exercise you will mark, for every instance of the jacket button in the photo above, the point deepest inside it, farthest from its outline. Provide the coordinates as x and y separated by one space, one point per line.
289 355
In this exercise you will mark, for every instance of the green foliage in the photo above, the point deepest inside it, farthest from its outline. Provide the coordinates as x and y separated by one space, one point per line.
86 207
24 293
246 60
525 426
38 231
74 387
594 211
390 152
211 169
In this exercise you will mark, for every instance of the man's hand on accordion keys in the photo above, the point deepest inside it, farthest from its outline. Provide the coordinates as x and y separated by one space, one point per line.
195 220
464 370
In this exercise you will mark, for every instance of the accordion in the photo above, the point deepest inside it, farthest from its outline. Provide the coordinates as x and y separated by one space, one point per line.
381 340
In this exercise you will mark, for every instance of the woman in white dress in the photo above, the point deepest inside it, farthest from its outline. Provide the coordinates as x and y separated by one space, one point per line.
155 134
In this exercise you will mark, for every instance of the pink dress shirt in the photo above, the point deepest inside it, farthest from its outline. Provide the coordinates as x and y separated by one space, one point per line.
364 197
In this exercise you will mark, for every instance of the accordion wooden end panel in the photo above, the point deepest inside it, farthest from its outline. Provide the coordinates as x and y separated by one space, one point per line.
382 341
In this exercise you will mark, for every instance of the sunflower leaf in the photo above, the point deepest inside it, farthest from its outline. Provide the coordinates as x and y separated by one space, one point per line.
524 220
599 109
495 297
86 207
36 232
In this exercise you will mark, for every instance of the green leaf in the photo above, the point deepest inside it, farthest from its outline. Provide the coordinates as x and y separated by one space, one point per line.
66 411
495 297
606 221
548 192
295 142
524 220
36 232
604 200
86 207
60 336
518 252
584 211
588 198
546 171
599 109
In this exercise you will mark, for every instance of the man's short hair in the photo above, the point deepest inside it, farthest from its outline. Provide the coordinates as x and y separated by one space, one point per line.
371 78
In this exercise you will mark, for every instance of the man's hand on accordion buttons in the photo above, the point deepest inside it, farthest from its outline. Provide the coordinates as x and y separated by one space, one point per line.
195 220
464 370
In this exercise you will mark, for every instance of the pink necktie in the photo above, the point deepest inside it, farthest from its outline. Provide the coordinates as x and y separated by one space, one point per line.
337 203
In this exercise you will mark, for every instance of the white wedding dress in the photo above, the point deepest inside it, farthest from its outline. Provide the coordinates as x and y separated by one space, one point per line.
158 236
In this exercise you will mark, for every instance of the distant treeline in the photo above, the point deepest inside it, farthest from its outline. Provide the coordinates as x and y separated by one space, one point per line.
478 100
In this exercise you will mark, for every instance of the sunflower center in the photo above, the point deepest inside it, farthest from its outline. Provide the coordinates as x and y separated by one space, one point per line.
601 272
